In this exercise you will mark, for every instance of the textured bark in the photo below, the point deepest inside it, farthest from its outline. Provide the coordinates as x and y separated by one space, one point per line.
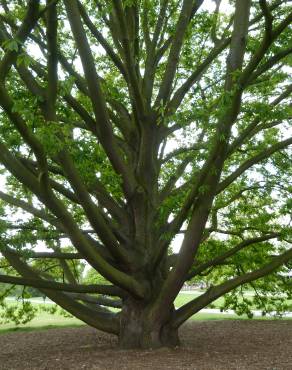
138 330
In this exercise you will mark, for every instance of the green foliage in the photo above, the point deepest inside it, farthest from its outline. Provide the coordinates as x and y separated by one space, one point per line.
11 45
93 277
54 136
21 313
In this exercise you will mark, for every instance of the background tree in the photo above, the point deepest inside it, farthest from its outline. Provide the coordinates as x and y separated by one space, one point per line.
126 123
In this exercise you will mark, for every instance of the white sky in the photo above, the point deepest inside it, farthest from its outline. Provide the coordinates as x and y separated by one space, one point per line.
225 7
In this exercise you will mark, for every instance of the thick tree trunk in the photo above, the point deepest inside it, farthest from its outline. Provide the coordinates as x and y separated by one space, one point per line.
138 331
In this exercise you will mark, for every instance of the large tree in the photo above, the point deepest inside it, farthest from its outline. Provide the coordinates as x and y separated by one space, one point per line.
126 123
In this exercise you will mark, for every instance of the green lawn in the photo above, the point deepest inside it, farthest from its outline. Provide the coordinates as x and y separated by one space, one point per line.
184 298
42 320
46 320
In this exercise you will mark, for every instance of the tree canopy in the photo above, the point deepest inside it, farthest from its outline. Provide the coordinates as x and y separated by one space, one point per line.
125 124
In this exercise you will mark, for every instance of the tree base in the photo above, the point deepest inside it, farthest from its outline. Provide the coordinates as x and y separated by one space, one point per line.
149 340
137 330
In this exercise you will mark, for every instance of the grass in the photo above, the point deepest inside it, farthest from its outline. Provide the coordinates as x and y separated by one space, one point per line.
184 298
46 320
27 328
43 320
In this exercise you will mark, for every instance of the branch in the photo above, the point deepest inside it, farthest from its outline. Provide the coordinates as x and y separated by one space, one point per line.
99 37
31 83
215 22
248 131
267 41
173 58
102 321
103 128
54 184
81 111
52 285
159 23
103 301
130 60
219 259
195 77
16 168
91 254
151 58
52 60
189 309
50 3
81 243
29 208
97 189
91 210
104 198
164 193
58 255
195 147
268 17
252 161
269 64
26 27
29 138
42 214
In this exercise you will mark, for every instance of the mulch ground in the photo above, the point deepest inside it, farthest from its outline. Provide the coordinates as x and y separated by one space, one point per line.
206 345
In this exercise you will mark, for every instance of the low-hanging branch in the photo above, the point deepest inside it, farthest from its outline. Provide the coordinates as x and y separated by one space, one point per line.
229 253
52 285
58 255
102 301
214 292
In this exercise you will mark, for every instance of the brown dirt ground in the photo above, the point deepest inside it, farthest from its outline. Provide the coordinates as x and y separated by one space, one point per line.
206 345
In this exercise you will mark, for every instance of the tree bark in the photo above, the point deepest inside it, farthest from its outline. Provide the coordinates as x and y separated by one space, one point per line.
137 330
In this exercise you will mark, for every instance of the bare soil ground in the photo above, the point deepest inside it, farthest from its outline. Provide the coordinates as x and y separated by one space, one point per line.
206 345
